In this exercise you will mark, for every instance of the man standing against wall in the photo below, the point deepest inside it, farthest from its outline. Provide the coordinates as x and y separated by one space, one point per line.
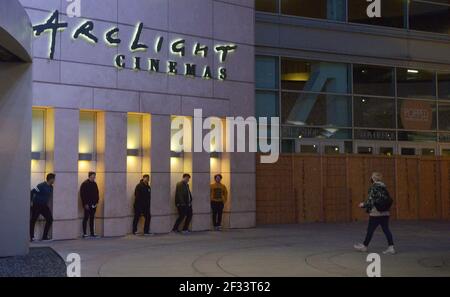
219 195
40 196
183 201
89 198
142 203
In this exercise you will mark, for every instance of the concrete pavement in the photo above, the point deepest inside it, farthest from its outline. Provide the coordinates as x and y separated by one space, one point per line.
284 250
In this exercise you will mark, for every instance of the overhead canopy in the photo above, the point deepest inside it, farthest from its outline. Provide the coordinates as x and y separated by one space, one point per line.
15 32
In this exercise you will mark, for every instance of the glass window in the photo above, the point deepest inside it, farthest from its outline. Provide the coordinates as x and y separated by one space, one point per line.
365 150
416 136
266 72
416 115
87 133
266 104
444 137
331 149
316 133
444 116
415 83
387 151
446 152
408 151
288 146
392 12
266 5
373 80
366 134
316 109
309 149
374 112
428 152
321 9
313 76
429 17
444 85
38 131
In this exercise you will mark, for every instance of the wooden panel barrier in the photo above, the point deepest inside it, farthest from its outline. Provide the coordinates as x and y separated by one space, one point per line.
312 188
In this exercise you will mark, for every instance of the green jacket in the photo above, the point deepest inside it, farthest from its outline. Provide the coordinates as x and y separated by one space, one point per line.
183 196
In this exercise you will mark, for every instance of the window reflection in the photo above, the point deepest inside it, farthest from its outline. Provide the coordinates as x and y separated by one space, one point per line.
415 83
266 5
373 80
429 17
313 76
444 117
444 85
316 109
321 9
374 112
266 72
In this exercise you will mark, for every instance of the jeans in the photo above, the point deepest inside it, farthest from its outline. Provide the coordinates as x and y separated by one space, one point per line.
184 212
89 215
41 209
373 224
217 211
137 214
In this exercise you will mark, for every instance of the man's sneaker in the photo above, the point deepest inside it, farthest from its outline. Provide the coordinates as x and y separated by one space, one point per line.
219 228
360 247
46 239
32 239
390 250
85 236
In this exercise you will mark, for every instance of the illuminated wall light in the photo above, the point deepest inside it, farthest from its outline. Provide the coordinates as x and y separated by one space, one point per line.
85 157
86 141
414 71
176 154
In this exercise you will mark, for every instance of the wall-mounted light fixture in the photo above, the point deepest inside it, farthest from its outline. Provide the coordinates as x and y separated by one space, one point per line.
215 155
37 156
134 153
85 157
175 154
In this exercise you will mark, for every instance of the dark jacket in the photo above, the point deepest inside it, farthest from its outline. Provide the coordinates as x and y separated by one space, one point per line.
42 193
143 195
183 196
89 193
376 191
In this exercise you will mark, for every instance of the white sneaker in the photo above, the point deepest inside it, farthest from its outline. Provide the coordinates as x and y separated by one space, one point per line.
390 250
85 236
360 247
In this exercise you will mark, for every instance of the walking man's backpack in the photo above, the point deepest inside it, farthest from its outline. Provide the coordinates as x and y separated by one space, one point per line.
383 200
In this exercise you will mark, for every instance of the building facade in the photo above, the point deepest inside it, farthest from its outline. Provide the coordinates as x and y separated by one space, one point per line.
342 82
15 124
107 89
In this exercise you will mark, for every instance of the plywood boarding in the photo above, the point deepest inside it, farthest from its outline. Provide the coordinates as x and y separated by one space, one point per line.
312 188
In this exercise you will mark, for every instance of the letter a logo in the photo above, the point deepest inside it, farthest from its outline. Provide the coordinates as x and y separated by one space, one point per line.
374 268
73 265
374 9
74 8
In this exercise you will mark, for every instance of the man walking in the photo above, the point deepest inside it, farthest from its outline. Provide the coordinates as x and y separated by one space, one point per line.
142 202
219 195
89 198
40 196
377 206
183 201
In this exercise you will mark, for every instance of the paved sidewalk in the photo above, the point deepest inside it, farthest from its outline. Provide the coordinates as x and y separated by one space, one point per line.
287 250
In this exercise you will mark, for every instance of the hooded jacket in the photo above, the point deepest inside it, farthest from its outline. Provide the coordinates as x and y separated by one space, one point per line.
89 193
143 195
42 193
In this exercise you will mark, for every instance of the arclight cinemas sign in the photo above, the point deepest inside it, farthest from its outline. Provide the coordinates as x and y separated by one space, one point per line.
112 38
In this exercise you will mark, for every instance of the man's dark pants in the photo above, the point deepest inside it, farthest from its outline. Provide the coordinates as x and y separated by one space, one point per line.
40 209
217 211
184 212
374 221
89 214
138 212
